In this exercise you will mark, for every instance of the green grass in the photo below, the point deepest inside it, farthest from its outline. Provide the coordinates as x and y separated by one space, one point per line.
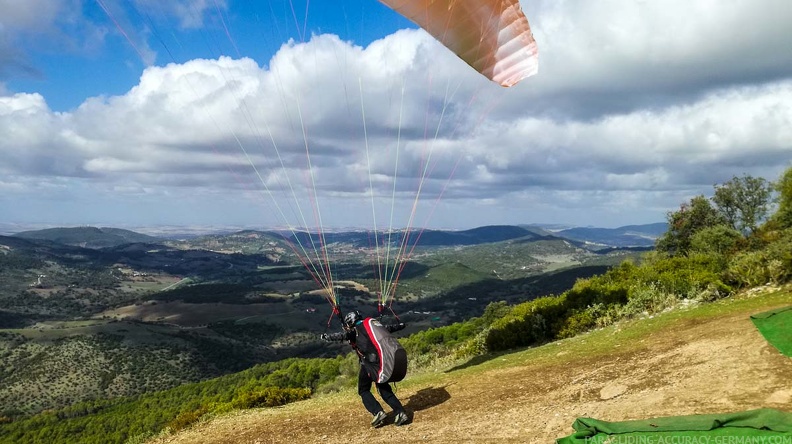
442 277
624 336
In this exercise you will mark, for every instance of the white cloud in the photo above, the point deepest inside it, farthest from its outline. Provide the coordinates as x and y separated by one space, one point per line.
32 144
727 132
190 13
615 55
31 16
634 111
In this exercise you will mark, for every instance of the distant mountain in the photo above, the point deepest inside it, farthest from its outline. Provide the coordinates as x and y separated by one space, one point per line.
544 230
475 236
88 237
425 238
15 242
626 236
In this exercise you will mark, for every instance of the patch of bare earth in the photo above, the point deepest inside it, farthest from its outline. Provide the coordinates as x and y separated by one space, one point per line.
718 365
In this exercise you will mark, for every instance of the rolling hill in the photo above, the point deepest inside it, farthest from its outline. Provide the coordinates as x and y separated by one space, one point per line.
640 369
626 236
88 237
93 237
222 303
176 325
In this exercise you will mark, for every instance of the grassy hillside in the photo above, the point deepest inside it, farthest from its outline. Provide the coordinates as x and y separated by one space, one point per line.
68 362
452 397
244 242
245 295
137 318
643 368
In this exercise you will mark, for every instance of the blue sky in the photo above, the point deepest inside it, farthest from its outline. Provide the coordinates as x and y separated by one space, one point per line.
67 73
138 113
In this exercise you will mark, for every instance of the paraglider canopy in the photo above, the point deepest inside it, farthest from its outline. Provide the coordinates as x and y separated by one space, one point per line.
492 36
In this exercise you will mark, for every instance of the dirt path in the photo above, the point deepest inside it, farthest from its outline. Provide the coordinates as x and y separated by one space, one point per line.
717 365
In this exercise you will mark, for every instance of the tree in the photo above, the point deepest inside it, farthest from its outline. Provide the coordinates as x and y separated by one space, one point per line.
783 215
720 239
495 311
743 202
683 224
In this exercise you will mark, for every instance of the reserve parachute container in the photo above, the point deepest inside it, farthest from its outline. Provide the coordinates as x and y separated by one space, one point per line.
387 360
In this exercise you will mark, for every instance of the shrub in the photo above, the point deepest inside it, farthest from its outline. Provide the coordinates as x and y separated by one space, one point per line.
610 288
186 418
528 323
607 315
772 264
348 368
442 339
783 216
341 383
647 299
269 397
712 293
719 239
220 407
474 346
494 311
779 253
685 275
747 269
577 322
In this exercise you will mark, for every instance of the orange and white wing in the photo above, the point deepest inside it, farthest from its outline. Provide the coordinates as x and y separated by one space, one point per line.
492 36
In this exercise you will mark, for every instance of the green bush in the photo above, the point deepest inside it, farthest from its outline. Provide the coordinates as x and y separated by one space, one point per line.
528 323
269 397
772 264
783 215
779 253
186 418
748 269
719 239
577 322
684 276
346 376
610 288
474 346
606 315
647 299
442 339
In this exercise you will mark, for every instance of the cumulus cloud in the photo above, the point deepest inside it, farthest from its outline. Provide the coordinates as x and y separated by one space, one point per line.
634 111
736 129
615 56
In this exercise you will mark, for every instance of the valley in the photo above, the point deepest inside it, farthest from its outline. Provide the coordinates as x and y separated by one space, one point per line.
121 318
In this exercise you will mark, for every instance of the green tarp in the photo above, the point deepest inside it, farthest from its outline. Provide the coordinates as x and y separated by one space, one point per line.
752 427
776 327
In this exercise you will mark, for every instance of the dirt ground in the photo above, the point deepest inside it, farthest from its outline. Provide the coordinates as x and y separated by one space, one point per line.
712 366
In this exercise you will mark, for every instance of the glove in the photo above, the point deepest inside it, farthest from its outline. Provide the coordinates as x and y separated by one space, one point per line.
324 337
